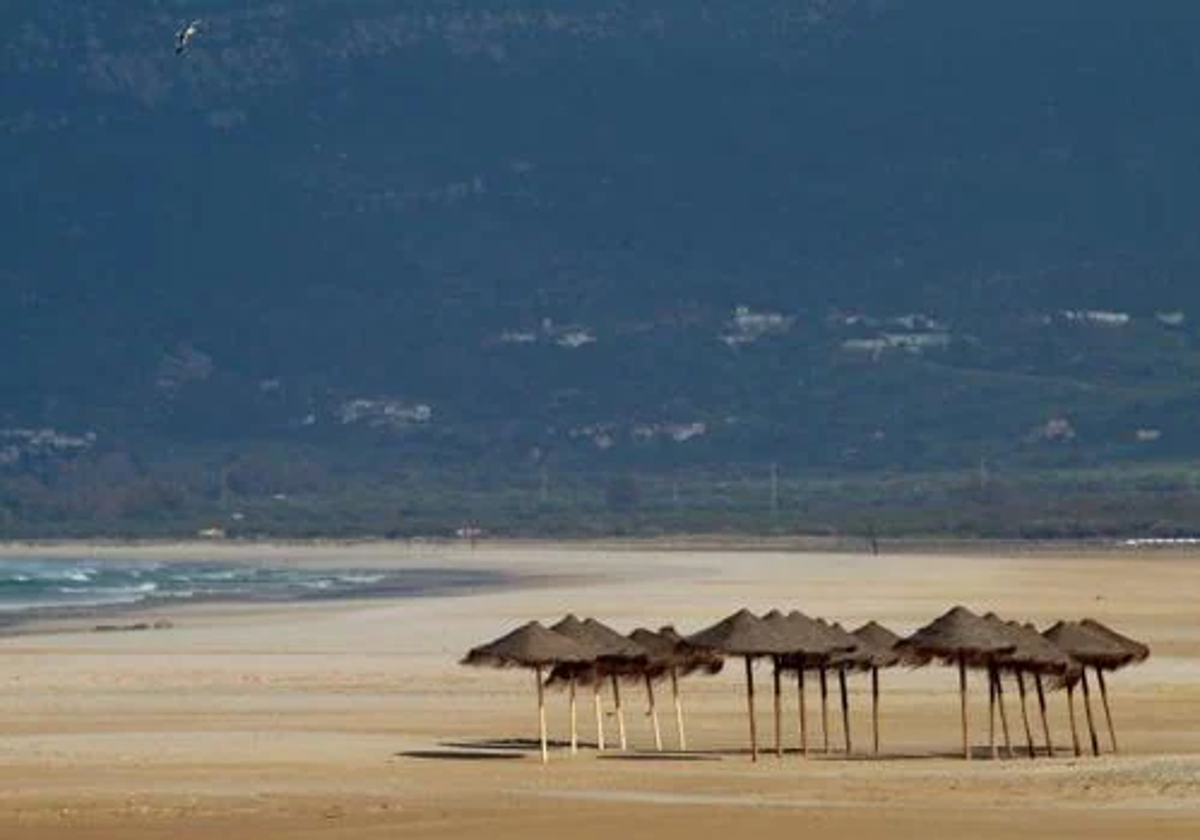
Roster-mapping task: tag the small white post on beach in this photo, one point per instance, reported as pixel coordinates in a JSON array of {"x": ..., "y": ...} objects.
[
  {"x": 541, "y": 692},
  {"x": 574, "y": 719},
  {"x": 678, "y": 709},
  {"x": 616, "y": 687},
  {"x": 599, "y": 704},
  {"x": 658, "y": 745}
]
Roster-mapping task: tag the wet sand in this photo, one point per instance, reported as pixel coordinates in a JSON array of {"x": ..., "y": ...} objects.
[{"x": 354, "y": 720}]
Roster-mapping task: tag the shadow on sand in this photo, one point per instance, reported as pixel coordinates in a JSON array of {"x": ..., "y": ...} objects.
[
  {"x": 459, "y": 755},
  {"x": 515, "y": 748}
]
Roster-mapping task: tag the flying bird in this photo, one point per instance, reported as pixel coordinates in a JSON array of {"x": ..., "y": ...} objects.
[{"x": 185, "y": 35}]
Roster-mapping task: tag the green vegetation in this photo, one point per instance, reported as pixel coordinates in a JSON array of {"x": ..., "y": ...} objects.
[{"x": 290, "y": 498}]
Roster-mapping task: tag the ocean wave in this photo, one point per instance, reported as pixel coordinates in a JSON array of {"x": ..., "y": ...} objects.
[{"x": 29, "y": 583}]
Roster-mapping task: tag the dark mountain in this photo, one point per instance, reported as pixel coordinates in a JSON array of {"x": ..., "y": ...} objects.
[{"x": 846, "y": 234}]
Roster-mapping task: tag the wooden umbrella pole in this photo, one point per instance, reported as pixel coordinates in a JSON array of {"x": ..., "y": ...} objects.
[
  {"x": 616, "y": 687},
  {"x": 875, "y": 707},
  {"x": 1112, "y": 733},
  {"x": 653, "y": 714},
  {"x": 678, "y": 709},
  {"x": 845, "y": 707},
  {"x": 962, "y": 692},
  {"x": 599, "y": 702},
  {"x": 1041, "y": 695},
  {"x": 541, "y": 694},
  {"x": 1087, "y": 711},
  {"x": 992, "y": 713},
  {"x": 1071, "y": 714},
  {"x": 824, "y": 711},
  {"x": 1008, "y": 750},
  {"x": 1025, "y": 713},
  {"x": 803, "y": 710},
  {"x": 574, "y": 720},
  {"x": 750, "y": 709},
  {"x": 778, "y": 708}
]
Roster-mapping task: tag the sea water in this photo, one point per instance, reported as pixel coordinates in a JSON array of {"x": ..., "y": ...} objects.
[{"x": 40, "y": 584}]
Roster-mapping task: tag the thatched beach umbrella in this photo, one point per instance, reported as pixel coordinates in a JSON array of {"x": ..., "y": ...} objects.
[
  {"x": 960, "y": 637},
  {"x": 1036, "y": 655},
  {"x": 696, "y": 660},
  {"x": 808, "y": 642},
  {"x": 876, "y": 650},
  {"x": 742, "y": 634},
  {"x": 1137, "y": 653},
  {"x": 667, "y": 654},
  {"x": 838, "y": 635},
  {"x": 1097, "y": 649},
  {"x": 996, "y": 687},
  {"x": 614, "y": 656},
  {"x": 530, "y": 646}
]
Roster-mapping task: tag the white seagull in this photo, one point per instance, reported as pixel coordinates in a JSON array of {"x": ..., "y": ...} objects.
[{"x": 184, "y": 36}]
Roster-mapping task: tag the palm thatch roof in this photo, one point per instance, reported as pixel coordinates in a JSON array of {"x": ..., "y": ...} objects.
[
  {"x": 740, "y": 634},
  {"x": 807, "y": 638},
  {"x": 846, "y": 645},
  {"x": 1090, "y": 647},
  {"x": 667, "y": 650},
  {"x": 1138, "y": 651},
  {"x": 1033, "y": 651},
  {"x": 957, "y": 635},
  {"x": 611, "y": 653},
  {"x": 876, "y": 647},
  {"x": 814, "y": 642},
  {"x": 529, "y": 646}
]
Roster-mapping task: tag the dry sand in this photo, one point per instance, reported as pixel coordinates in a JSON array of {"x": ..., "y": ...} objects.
[{"x": 353, "y": 720}]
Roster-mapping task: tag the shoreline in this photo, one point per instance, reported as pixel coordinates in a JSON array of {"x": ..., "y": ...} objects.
[
  {"x": 252, "y": 548},
  {"x": 399, "y": 583}
]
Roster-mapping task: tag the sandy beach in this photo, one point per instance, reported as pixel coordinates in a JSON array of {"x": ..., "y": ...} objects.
[{"x": 353, "y": 719}]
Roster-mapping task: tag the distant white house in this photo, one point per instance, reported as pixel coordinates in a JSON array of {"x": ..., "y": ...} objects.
[
  {"x": 602, "y": 435},
  {"x": 384, "y": 412},
  {"x": 1097, "y": 317},
  {"x": 917, "y": 342},
  {"x": 919, "y": 321},
  {"x": 570, "y": 336},
  {"x": 1056, "y": 429},
  {"x": 16, "y": 443},
  {"x": 747, "y": 326},
  {"x": 574, "y": 338},
  {"x": 677, "y": 432}
]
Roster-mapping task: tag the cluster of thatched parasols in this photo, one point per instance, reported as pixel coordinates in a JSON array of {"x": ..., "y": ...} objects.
[{"x": 576, "y": 653}]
